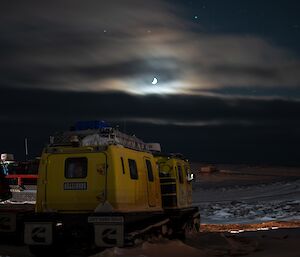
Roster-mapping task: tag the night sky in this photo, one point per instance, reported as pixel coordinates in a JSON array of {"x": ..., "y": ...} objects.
[{"x": 228, "y": 74}]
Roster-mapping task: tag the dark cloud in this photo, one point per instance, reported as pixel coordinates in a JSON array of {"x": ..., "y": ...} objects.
[
  {"x": 262, "y": 72},
  {"x": 41, "y": 104},
  {"x": 204, "y": 128}
]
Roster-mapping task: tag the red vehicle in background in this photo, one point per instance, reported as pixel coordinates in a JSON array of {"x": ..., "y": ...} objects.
[
  {"x": 17, "y": 175},
  {"x": 23, "y": 173}
]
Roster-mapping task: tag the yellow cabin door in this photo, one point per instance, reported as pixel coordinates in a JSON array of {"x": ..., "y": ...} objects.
[
  {"x": 182, "y": 193},
  {"x": 75, "y": 182},
  {"x": 151, "y": 186}
]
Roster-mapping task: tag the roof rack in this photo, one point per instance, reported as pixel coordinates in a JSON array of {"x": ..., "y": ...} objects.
[{"x": 101, "y": 136}]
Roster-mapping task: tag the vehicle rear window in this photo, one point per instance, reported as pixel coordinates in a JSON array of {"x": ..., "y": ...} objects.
[
  {"x": 149, "y": 169},
  {"x": 133, "y": 169},
  {"x": 123, "y": 168},
  {"x": 180, "y": 174},
  {"x": 76, "y": 167}
]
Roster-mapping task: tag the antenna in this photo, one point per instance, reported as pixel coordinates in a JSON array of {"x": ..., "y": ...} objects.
[{"x": 26, "y": 148}]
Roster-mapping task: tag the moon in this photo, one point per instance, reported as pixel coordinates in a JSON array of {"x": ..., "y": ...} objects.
[{"x": 154, "y": 82}]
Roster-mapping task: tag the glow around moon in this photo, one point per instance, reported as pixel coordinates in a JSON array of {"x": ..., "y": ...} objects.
[{"x": 155, "y": 81}]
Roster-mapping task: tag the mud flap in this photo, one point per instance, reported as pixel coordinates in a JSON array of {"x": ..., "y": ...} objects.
[
  {"x": 109, "y": 231},
  {"x": 38, "y": 233},
  {"x": 194, "y": 225},
  {"x": 8, "y": 222}
]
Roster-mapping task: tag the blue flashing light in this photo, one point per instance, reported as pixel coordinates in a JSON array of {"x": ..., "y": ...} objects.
[{"x": 94, "y": 124}]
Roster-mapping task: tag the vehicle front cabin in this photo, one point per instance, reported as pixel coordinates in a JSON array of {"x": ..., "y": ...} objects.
[{"x": 175, "y": 178}]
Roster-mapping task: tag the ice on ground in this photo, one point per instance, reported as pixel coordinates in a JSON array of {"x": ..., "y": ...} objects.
[
  {"x": 17, "y": 202},
  {"x": 251, "y": 212},
  {"x": 249, "y": 204}
]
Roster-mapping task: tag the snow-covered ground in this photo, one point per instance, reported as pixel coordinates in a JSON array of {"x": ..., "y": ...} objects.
[{"x": 253, "y": 203}]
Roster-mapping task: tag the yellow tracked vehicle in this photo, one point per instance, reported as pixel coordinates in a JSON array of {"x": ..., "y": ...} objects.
[{"x": 99, "y": 187}]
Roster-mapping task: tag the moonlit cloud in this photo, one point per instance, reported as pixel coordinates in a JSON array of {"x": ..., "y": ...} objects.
[
  {"x": 186, "y": 123},
  {"x": 120, "y": 45}
]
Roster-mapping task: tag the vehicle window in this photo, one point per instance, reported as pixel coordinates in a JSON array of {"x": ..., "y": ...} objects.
[
  {"x": 76, "y": 167},
  {"x": 149, "y": 169},
  {"x": 122, "y": 162},
  {"x": 133, "y": 169},
  {"x": 164, "y": 170},
  {"x": 180, "y": 176}
]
